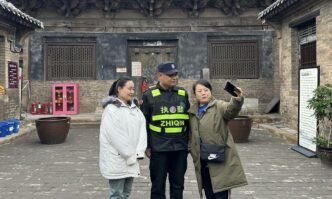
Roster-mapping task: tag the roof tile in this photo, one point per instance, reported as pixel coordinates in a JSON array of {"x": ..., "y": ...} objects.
[{"x": 10, "y": 8}]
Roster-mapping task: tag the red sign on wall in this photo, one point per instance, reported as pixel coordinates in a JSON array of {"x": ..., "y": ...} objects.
[{"x": 12, "y": 75}]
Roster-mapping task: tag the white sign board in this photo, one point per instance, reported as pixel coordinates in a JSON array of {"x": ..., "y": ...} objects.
[
  {"x": 121, "y": 70},
  {"x": 136, "y": 69},
  {"x": 307, "y": 121}
]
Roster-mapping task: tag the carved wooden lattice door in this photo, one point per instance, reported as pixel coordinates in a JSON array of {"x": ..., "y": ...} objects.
[{"x": 150, "y": 57}]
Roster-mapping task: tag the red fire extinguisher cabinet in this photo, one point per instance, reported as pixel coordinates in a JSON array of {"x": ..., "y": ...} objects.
[{"x": 65, "y": 99}]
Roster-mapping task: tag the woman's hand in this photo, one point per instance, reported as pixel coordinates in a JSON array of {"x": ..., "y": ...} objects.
[{"x": 239, "y": 93}]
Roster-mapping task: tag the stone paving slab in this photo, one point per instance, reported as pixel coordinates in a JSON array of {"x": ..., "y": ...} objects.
[{"x": 31, "y": 170}]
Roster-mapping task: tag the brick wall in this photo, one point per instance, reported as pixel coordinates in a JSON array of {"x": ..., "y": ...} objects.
[
  {"x": 91, "y": 93},
  {"x": 2, "y": 75},
  {"x": 25, "y": 73},
  {"x": 324, "y": 42},
  {"x": 2, "y": 60},
  {"x": 288, "y": 57},
  {"x": 9, "y": 103},
  {"x": 191, "y": 33}
]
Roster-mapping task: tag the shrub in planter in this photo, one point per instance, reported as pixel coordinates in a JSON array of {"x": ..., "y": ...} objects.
[{"x": 321, "y": 103}]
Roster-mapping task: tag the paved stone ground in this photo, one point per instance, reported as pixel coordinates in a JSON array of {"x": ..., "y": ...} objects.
[{"x": 30, "y": 170}]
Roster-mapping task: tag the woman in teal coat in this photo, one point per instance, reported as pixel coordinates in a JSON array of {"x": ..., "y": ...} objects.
[{"x": 208, "y": 123}]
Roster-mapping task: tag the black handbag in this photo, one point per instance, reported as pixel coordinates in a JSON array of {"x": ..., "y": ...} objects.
[{"x": 213, "y": 152}]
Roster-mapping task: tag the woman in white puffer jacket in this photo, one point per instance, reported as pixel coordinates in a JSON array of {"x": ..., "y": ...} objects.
[{"x": 123, "y": 138}]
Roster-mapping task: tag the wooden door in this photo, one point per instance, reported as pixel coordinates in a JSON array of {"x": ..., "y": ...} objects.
[{"x": 150, "y": 57}]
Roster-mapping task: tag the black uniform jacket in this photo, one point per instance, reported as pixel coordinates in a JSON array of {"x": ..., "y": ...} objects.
[{"x": 171, "y": 104}]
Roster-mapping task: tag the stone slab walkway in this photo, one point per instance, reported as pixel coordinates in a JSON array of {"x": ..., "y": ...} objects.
[{"x": 31, "y": 170}]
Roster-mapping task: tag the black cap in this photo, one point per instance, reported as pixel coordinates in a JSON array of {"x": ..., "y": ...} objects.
[{"x": 168, "y": 68}]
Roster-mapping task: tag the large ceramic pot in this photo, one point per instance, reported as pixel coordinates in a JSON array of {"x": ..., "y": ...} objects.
[
  {"x": 53, "y": 130},
  {"x": 325, "y": 155},
  {"x": 240, "y": 128}
]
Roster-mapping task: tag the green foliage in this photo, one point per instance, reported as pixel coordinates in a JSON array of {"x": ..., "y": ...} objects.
[
  {"x": 321, "y": 103},
  {"x": 321, "y": 141}
]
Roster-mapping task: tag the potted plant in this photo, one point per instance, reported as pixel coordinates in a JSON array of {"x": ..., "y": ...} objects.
[{"x": 321, "y": 103}]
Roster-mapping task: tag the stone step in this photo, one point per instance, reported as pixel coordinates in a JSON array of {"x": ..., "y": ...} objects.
[
  {"x": 280, "y": 131},
  {"x": 266, "y": 118}
]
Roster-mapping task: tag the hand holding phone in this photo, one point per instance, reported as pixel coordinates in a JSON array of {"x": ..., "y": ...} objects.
[{"x": 230, "y": 88}]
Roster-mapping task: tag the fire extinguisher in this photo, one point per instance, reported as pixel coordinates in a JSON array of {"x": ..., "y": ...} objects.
[
  {"x": 144, "y": 84},
  {"x": 45, "y": 108},
  {"x": 50, "y": 108},
  {"x": 33, "y": 108},
  {"x": 39, "y": 108}
]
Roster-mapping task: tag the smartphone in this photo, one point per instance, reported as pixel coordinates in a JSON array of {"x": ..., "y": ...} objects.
[{"x": 230, "y": 88}]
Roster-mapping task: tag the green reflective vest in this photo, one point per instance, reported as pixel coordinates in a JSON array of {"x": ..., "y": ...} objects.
[{"x": 169, "y": 116}]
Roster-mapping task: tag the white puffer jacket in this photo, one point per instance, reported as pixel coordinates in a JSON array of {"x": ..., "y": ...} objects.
[{"x": 123, "y": 139}]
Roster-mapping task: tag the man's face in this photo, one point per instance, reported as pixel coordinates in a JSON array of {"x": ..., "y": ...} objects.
[{"x": 168, "y": 81}]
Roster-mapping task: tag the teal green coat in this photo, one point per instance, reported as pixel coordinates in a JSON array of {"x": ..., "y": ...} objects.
[{"x": 212, "y": 128}]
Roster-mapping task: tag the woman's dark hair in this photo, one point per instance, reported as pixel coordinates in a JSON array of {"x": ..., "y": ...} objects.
[
  {"x": 118, "y": 84},
  {"x": 202, "y": 82}
]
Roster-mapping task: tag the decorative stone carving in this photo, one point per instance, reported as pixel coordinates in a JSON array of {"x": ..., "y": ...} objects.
[
  {"x": 229, "y": 7},
  {"x": 152, "y": 8},
  {"x": 193, "y": 7},
  {"x": 236, "y": 7},
  {"x": 70, "y": 8},
  {"x": 14, "y": 47},
  {"x": 109, "y": 7}
]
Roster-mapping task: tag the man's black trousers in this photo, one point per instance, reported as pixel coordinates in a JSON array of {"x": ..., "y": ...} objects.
[{"x": 173, "y": 163}]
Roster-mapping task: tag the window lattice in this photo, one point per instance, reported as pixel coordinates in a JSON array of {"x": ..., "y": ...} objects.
[
  {"x": 308, "y": 54},
  {"x": 233, "y": 59},
  {"x": 307, "y": 41},
  {"x": 307, "y": 34},
  {"x": 70, "y": 61}
]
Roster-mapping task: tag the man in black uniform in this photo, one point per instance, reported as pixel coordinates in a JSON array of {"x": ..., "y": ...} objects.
[{"x": 165, "y": 107}]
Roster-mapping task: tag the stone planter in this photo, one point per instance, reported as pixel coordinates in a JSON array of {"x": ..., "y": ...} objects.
[
  {"x": 240, "y": 128},
  {"x": 325, "y": 155},
  {"x": 53, "y": 130}
]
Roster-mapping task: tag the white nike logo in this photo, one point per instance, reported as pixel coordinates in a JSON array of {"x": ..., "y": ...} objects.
[{"x": 212, "y": 156}]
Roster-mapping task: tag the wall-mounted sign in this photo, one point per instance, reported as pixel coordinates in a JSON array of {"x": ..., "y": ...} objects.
[
  {"x": 121, "y": 70},
  {"x": 136, "y": 69},
  {"x": 12, "y": 75}
]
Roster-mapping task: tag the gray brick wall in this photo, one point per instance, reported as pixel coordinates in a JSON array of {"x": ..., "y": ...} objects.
[
  {"x": 191, "y": 34},
  {"x": 2, "y": 60},
  {"x": 91, "y": 93},
  {"x": 9, "y": 103},
  {"x": 288, "y": 65}
]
